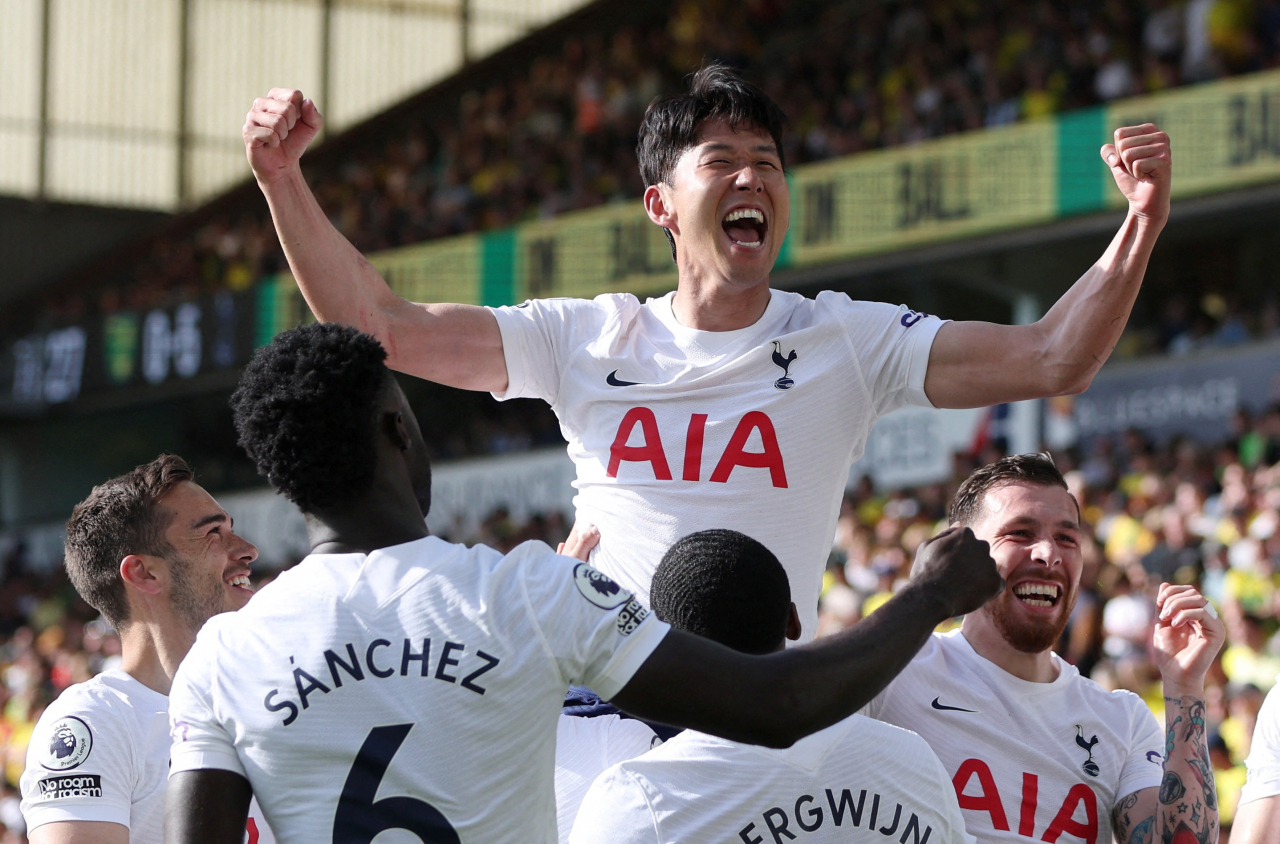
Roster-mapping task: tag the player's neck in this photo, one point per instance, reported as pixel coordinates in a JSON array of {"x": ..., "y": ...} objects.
[
  {"x": 383, "y": 517},
  {"x": 705, "y": 301},
  {"x": 152, "y": 650},
  {"x": 986, "y": 640}
]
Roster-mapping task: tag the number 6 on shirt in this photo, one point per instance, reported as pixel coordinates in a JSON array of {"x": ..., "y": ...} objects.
[{"x": 360, "y": 817}]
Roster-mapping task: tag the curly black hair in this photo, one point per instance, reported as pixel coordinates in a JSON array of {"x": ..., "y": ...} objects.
[
  {"x": 724, "y": 586},
  {"x": 306, "y": 413}
]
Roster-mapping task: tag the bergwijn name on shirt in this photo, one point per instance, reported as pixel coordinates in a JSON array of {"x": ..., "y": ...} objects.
[
  {"x": 453, "y": 662},
  {"x": 808, "y": 816}
]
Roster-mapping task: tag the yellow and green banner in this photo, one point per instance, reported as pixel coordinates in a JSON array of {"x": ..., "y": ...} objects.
[{"x": 1225, "y": 135}]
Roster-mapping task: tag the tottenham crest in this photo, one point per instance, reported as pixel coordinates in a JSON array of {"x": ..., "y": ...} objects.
[
  {"x": 69, "y": 744},
  {"x": 786, "y": 382},
  {"x": 1090, "y": 767},
  {"x": 599, "y": 589}
]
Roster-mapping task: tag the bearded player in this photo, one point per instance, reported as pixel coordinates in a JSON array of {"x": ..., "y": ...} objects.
[
  {"x": 1034, "y": 749},
  {"x": 156, "y": 555},
  {"x": 724, "y": 404}
]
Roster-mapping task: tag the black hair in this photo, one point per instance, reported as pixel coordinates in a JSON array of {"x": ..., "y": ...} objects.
[
  {"x": 306, "y": 413},
  {"x": 1035, "y": 469},
  {"x": 724, "y": 586},
  {"x": 671, "y": 124},
  {"x": 119, "y": 518}
]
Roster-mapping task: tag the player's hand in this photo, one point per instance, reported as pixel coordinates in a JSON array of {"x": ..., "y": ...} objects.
[
  {"x": 956, "y": 568},
  {"x": 1188, "y": 635},
  {"x": 1141, "y": 164},
  {"x": 582, "y": 539},
  {"x": 277, "y": 130}
]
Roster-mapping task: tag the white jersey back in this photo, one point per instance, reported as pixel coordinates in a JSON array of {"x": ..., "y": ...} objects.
[
  {"x": 674, "y": 431},
  {"x": 416, "y": 688},
  {"x": 1041, "y": 760},
  {"x": 1263, "y": 764},
  {"x": 584, "y": 748},
  {"x": 856, "y": 781},
  {"x": 100, "y": 752}
]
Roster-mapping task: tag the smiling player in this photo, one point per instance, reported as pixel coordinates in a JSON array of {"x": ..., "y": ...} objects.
[
  {"x": 1034, "y": 749},
  {"x": 724, "y": 404},
  {"x": 157, "y": 556}
]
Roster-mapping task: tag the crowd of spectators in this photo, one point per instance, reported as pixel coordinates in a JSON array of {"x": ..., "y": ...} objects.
[
  {"x": 559, "y": 133},
  {"x": 1179, "y": 512}
]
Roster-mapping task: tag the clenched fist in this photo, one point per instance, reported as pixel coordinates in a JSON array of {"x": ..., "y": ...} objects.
[
  {"x": 1141, "y": 164},
  {"x": 956, "y": 568},
  {"x": 277, "y": 130}
]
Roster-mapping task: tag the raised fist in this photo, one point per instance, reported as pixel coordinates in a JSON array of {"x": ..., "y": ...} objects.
[
  {"x": 277, "y": 131},
  {"x": 1141, "y": 164},
  {"x": 955, "y": 568}
]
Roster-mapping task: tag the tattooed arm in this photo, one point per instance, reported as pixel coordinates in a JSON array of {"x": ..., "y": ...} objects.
[{"x": 1184, "y": 810}]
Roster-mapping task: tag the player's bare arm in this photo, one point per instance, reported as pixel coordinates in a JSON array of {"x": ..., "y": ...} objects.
[
  {"x": 1257, "y": 822},
  {"x": 969, "y": 365},
  {"x": 1188, "y": 636},
  {"x": 777, "y": 699},
  {"x": 457, "y": 345},
  {"x": 206, "y": 807},
  {"x": 80, "y": 832}
]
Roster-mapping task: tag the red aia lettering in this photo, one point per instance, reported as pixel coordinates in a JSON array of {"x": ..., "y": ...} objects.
[
  {"x": 649, "y": 452},
  {"x": 989, "y": 800},
  {"x": 251, "y": 830},
  {"x": 1066, "y": 822},
  {"x": 770, "y": 458}
]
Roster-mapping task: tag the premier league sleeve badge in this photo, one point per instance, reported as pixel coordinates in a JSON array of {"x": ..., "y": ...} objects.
[{"x": 69, "y": 742}]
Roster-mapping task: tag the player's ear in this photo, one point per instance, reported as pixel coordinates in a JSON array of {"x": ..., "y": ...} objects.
[
  {"x": 658, "y": 205},
  {"x": 398, "y": 430},
  {"x": 793, "y": 624},
  {"x": 139, "y": 572}
]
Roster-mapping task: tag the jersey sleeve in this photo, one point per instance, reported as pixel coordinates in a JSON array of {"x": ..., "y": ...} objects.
[
  {"x": 82, "y": 765},
  {"x": 891, "y": 345},
  {"x": 536, "y": 338},
  {"x": 1142, "y": 769},
  {"x": 200, "y": 741},
  {"x": 596, "y": 632},
  {"x": 615, "y": 810},
  {"x": 1263, "y": 764}
]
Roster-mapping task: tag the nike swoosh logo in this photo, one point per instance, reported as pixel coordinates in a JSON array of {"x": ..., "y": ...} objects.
[
  {"x": 944, "y": 708},
  {"x": 613, "y": 381}
]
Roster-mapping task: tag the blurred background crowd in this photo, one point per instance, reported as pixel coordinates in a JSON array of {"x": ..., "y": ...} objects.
[
  {"x": 560, "y": 133},
  {"x": 1176, "y": 512}
]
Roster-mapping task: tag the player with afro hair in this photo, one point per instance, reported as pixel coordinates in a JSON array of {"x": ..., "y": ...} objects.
[{"x": 306, "y": 412}]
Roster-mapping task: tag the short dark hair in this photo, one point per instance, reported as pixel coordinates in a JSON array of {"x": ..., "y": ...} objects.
[
  {"x": 306, "y": 412},
  {"x": 119, "y": 518},
  {"x": 724, "y": 586},
  {"x": 671, "y": 124},
  {"x": 1036, "y": 469}
]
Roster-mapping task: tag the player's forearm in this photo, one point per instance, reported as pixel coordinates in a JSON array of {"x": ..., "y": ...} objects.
[
  {"x": 336, "y": 280},
  {"x": 1188, "y": 797},
  {"x": 206, "y": 807},
  {"x": 1083, "y": 326}
]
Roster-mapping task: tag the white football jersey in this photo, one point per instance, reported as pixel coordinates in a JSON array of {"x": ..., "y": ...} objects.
[
  {"x": 858, "y": 780},
  {"x": 100, "y": 752},
  {"x": 584, "y": 748},
  {"x": 1263, "y": 764},
  {"x": 674, "y": 430},
  {"x": 1047, "y": 761},
  {"x": 416, "y": 688}
]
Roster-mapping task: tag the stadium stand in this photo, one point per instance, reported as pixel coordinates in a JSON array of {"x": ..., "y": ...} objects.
[{"x": 556, "y": 131}]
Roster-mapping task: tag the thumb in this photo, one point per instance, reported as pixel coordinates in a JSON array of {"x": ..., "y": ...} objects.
[
  {"x": 1111, "y": 155},
  {"x": 311, "y": 115}
]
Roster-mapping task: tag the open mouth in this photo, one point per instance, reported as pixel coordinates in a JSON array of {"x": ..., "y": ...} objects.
[
  {"x": 241, "y": 581},
  {"x": 1042, "y": 595},
  {"x": 746, "y": 227}
]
